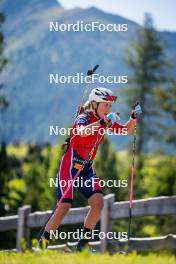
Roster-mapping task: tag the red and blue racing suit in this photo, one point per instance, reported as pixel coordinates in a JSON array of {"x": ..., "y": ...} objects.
[{"x": 79, "y": 149}]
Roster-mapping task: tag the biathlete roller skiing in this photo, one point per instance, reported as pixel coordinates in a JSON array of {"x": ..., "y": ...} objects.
[{"x": 76, "y": 163}]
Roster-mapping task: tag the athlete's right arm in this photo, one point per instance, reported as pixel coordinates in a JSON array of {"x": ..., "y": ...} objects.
[
  {"x": 88, "y": 130},
  {"x": 84, "y": 129}
]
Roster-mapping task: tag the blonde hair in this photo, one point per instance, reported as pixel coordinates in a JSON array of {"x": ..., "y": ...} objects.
[{"x": 86, "y": 107}]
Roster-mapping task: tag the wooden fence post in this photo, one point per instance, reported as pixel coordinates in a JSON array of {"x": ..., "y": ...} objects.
[
  {"x": 105, "y": 223},
  {"x": 23, "y": 231}
]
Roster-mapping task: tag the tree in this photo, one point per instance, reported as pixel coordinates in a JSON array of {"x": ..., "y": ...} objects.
[
  {"x": 148, "y": 65},
  {"x": 4, "y": 164},
  {"x": 3, "y": 61},
  {"x": 166, "y": 98}
]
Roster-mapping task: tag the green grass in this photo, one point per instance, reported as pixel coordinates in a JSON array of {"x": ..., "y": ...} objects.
[{"x": 83, "y": 258}]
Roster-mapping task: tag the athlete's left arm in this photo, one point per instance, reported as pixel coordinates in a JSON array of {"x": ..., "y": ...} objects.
[
  {"x": 128, "y": 128},
  {"x": 130, "y": 125}
]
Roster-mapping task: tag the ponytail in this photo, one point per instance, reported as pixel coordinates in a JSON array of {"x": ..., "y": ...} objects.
[{"x": 82, "y": 109}]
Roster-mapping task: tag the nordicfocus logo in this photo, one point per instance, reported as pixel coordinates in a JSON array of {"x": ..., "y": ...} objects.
[
  {"x": 81, "y": 26},
  {"x": 95, "y": 234},
  {"x": 81, "y": 78},
  {"x": 56, "y": 131},
  {"x": 80, "y": 182}
]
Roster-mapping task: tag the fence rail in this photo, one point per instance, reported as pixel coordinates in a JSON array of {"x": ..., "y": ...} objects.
[{"x": 25, "y": 220}]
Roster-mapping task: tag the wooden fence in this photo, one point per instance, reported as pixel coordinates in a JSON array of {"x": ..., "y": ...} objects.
[{"x": 25, "y": 220}]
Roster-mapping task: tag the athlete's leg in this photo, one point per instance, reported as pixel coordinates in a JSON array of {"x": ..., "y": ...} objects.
[
  {"x": 57, "y": 217},
  {"x": 63, "y": 177},
  {"x": 95, "y": 199},
  {"x": 94, "y": 195},
  {"x": 93, "y": 216},
  {"x": 96, "y": 203}
]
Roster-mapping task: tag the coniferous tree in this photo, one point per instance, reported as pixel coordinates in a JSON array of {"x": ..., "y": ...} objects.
[
  {"x": 166, "y": 98},
  {"x": 147, "y": 62},
  {"x": 4, "y": 164},
  {"x": 149, "y": 74},
  {"x": 3, "y": 61}
]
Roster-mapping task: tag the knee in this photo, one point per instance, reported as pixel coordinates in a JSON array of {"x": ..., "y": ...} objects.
[
  {"x": 97, "y": 204},
  {"x": 63, "y": 208}
]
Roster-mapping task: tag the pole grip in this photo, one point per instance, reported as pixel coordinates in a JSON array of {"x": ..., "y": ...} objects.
[{"x": 90, "y": 72}]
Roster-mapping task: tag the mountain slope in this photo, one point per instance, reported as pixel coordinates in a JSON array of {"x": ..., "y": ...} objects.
[
  {"x": 35, "y": 52},
  {"x": 14, "y": 8}
]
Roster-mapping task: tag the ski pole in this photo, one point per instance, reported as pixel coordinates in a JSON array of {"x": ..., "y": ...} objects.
[
  {"x": 131, "y": 186},
  {"x": 89, "y": 75}
]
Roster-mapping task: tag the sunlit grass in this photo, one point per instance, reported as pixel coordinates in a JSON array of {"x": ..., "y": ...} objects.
[{"x": 83, "y": 258}]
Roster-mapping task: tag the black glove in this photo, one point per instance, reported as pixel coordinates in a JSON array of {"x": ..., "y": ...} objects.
[{"x": 136, "y": 110}]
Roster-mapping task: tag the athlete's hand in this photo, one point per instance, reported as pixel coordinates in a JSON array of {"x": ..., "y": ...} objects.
[
  {"x": 136, "y": 111},
  {"x": 113, "y": 117}
]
